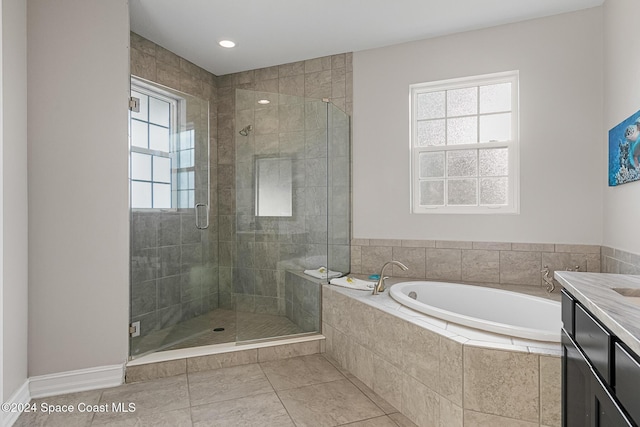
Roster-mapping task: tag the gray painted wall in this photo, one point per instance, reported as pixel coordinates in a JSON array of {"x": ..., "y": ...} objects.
[
  {"x": 78, "y": 79},
  {"x": 621, "y": 99},
  {"x": 13, "y": 196},
  {"x": 561, "y": 151}
]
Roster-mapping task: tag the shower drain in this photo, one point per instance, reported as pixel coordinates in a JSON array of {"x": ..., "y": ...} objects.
[{"x": 218, "y": 329}]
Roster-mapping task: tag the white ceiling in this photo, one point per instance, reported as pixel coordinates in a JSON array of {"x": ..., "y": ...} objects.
[{"x": 273, "y": 32}]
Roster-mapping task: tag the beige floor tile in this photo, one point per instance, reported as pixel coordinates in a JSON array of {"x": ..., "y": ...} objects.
[
  {"x": 383, "y": 421},
  {"x": 300, "y": 371},
  {"x": 328, "y": 404},
  {"x": 401, "y": 420},
  {"x": 227, "y": 383},
  {"x": 151, "y": 397},
  {"x": 264, "y": 410},
  {"x": 478, "y": 419},
  {"x": 177, "y": 418},
  {"x": 75, "y": 419}
]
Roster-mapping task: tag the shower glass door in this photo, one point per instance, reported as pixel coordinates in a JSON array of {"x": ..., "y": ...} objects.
[
  {"x": 173, "y": 277},
  {"x": 291, "y": 164}
]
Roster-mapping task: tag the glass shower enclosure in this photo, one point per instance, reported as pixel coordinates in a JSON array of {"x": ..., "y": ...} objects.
[
  {"x": 281, "y": 204},
  {"x": 173, "y": 274},
  {"x": 292, "y": 211}
]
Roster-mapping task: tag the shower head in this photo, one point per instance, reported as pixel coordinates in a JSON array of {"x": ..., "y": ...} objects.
[{"x": 245, "y": 130}]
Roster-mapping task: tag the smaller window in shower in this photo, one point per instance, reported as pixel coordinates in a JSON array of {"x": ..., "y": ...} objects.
[{"x": 162, "y": 159}]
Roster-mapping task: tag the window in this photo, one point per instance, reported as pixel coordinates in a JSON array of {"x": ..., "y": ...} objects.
[
  {"x": 162, "y": 158},
  {"x": 464, "y": 145}
]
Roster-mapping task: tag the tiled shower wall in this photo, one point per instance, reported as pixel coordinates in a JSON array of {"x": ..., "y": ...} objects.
[
  {"x": 252, "y": 265},
  {"x": 477, "y": 262},
  {"x": 174, "y": 265}
]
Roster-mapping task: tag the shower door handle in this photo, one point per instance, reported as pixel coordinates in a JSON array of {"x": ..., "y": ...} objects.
[{"x": 198, "y": 226}]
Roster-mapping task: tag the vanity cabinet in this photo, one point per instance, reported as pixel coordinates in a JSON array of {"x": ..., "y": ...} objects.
[{"x": 600, "y": 376}]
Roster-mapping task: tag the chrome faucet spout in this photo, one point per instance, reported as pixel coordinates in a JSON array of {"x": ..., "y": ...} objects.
[{"x": 380, "y": 286}]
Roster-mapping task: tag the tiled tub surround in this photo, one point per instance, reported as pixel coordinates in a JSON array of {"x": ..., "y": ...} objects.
[
  {"x": 477, "y": 262},
  {"x": 437, "y": 373},
  {"x": 619, "y": 261}
]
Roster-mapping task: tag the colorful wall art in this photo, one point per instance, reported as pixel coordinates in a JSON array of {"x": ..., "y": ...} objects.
[{"x": 624, "y": 151}]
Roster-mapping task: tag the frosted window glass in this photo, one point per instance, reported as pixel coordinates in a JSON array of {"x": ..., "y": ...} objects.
[
  {"x": 432, "y": 193},
  {"x": 140, "y": 194},
  {"x": 462, "y": 163},
  {"x": 495, "y": 98},
  {"x": 496, "y": 127},
  {"x": 191, "y": 176},
  {"x": 161, "y": 169},
  {"x": 462, "y": 192},
  {"x": 161, "y": 196},
  {"x": 432, "y": 165},
  {"x": 144, "y": 106},
  {"x": 461, "y": 102},
  {"x": 141, "y": 166},
  {"x": 159, "y": 112},
  {"x": 430, "y": 105},
  {"x": 494, "y": 162},
  {"x": 493, "y": 191},
  {"x": 139, "y": 134},
  {"x": 431, "y": 133},
  {"x": 463, "y": 130},
  {"x": 158, "y": 138}
]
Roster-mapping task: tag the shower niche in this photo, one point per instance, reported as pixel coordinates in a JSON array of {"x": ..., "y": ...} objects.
[{"x": 292, "y": 209}]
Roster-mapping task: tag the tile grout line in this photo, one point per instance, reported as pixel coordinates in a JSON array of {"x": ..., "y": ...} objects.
[
  {"x": 93, "y": 415},
  {"x": 276, "y": 393},
  {"x": 186, "y": 372},
  {"x": 539, "y": 389},
  {"x": 359, "y": 389},
  {"x": 462, "y": 375}
]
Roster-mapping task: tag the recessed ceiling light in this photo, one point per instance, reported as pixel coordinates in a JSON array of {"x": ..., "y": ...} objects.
[
  {"x": 226, "y": 43},
  {"x": 264, "y": 101}
]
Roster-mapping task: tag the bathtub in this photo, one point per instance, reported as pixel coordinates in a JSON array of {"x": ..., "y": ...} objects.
[{"x": 493, "y": 310}]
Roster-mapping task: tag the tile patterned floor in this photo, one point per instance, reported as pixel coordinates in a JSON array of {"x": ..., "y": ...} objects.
[{"x": 301, "y": 391}]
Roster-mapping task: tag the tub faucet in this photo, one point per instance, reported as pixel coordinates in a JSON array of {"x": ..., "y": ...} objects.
[{"x": 380, "y": 285}]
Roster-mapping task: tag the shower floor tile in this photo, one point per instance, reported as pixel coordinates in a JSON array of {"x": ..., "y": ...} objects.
[
  {"x": 237, "y": 396},
  {"x": 240, "y": 326}
]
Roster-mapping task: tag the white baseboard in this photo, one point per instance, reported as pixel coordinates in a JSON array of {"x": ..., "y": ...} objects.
[
  {"x": 74, "y": 381},
  {"x": 19, "y": 398}
]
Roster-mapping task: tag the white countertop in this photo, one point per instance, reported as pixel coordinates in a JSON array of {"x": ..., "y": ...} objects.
[{"x": 596, "y": 292}]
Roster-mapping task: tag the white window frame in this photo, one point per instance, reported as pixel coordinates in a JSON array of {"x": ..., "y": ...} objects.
[
  {"x": 513, "y": 195},
  {"x": 141, "y": 86}
]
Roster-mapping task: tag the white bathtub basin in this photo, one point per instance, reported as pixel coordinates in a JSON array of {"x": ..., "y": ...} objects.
[{"x": 493, "y": 310}]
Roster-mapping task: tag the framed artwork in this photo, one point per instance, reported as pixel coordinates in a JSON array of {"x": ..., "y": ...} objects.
[{"x": 624, "y": 151}]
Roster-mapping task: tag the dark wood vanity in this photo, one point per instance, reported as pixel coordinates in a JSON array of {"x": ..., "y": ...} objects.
[{"x": 600, "y": 371}]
